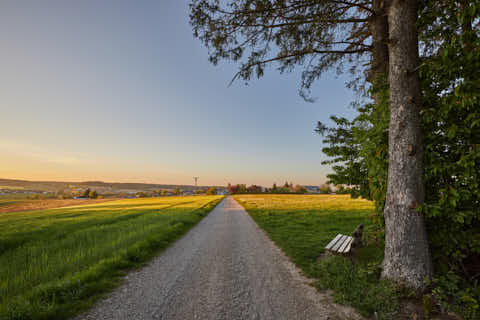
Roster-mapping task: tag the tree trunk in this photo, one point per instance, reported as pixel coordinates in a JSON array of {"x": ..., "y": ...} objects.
[
  {"x": 379, "y": 65},
  {"x": 379, "y": 30},
  {"x": 467, "y": 22},
  {"x": 407, "y": 256},
  {"x": 467, "y": 32}
]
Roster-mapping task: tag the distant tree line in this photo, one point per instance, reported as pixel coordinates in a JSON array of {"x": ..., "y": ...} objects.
[
  {"x": 286, "y": 188},
  {"x": 85, "y": 194},
  {"x": 92, "y": 194}
]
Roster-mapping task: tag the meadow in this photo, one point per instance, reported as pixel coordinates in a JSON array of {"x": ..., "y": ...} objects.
[
  {"x": 8, "y": 204},
  {"x": 57, "y": 262},
  {"x": 302, "y": 225}
]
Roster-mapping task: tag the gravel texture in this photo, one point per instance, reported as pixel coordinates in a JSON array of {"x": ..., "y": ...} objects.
[{"x": 224, "y": 268}]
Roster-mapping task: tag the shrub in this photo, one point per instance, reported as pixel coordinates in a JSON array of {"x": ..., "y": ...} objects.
[{"x": 212, "y": 191}]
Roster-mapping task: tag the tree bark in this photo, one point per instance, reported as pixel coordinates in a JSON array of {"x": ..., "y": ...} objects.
[
  {"x": 467, "y": 29},
  {"x": 379, "y": 30},
  {"x": 407, "y": 255},
  {"x": 467, "y": 22},
  {"x": 378, "y": 26}
]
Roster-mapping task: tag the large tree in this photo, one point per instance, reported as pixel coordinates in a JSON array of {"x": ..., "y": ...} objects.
[
  {"x": 318, "y": 35},
  {"x": 449, "y": 75},
  {"x": 407, "y": 255}
]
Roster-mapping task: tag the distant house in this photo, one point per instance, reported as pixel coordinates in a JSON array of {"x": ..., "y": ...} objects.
[
  {"x": 312, "y": 189},
  {"x": 222, "y": 191}
]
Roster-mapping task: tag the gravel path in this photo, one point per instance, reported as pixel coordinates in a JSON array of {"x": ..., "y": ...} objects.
[{"x": 224, "y": 268}]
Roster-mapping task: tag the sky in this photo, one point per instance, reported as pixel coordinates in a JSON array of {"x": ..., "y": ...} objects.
[{"x": 121, "y": 91}]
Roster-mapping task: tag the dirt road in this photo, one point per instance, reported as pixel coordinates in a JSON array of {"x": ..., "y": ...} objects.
[{"x": 224, "y": 268}]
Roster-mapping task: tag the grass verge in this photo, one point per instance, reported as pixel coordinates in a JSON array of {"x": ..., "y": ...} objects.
[
  {"x": 55, "y": 263},
  {"x": 302, "y": 225}
]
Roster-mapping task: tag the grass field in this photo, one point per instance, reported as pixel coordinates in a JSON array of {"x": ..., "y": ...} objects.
[
  {"x": 302, "y": 225},
  {"x": 15, "y": 205},
  {"x": 11, "y": 188},
  {"x": 56, "y": 262}
]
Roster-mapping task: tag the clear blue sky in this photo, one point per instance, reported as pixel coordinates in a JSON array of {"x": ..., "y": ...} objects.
[{"x": 120, "y": 90}]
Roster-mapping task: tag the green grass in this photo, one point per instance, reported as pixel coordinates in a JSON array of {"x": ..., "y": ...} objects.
[
  {"x": 302, "y": 225},
  {"x": 56, "y": 262}
]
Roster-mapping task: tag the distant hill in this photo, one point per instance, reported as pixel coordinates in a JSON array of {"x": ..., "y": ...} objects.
[{"x": 105, "y": 186}]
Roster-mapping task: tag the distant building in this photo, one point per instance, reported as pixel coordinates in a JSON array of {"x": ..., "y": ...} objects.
[
  {"x": 222, "y": 191},
  {"x": 312, "y": 189}
]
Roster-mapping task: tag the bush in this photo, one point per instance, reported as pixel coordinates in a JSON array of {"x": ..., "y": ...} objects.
[
  {"x": 212, "y": 191},
  {"x": 325, "y": 189},
  {"x": 450, "y": 292},
  {"x": 358, "y": 285}
]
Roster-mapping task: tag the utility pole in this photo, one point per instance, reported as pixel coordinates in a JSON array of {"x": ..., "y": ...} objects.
[{"x": 196, "y": 179}]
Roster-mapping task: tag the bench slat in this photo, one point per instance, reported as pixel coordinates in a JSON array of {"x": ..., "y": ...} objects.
[
  {"x": 333, "y": 242},
  {"x": 346, "y": 244},
  {"x": 339, "y": 243},
  {"x": 349, "y": 246}
]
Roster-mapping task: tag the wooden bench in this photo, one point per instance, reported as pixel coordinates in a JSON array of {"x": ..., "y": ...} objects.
[{"x": 343, "y": 244}]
